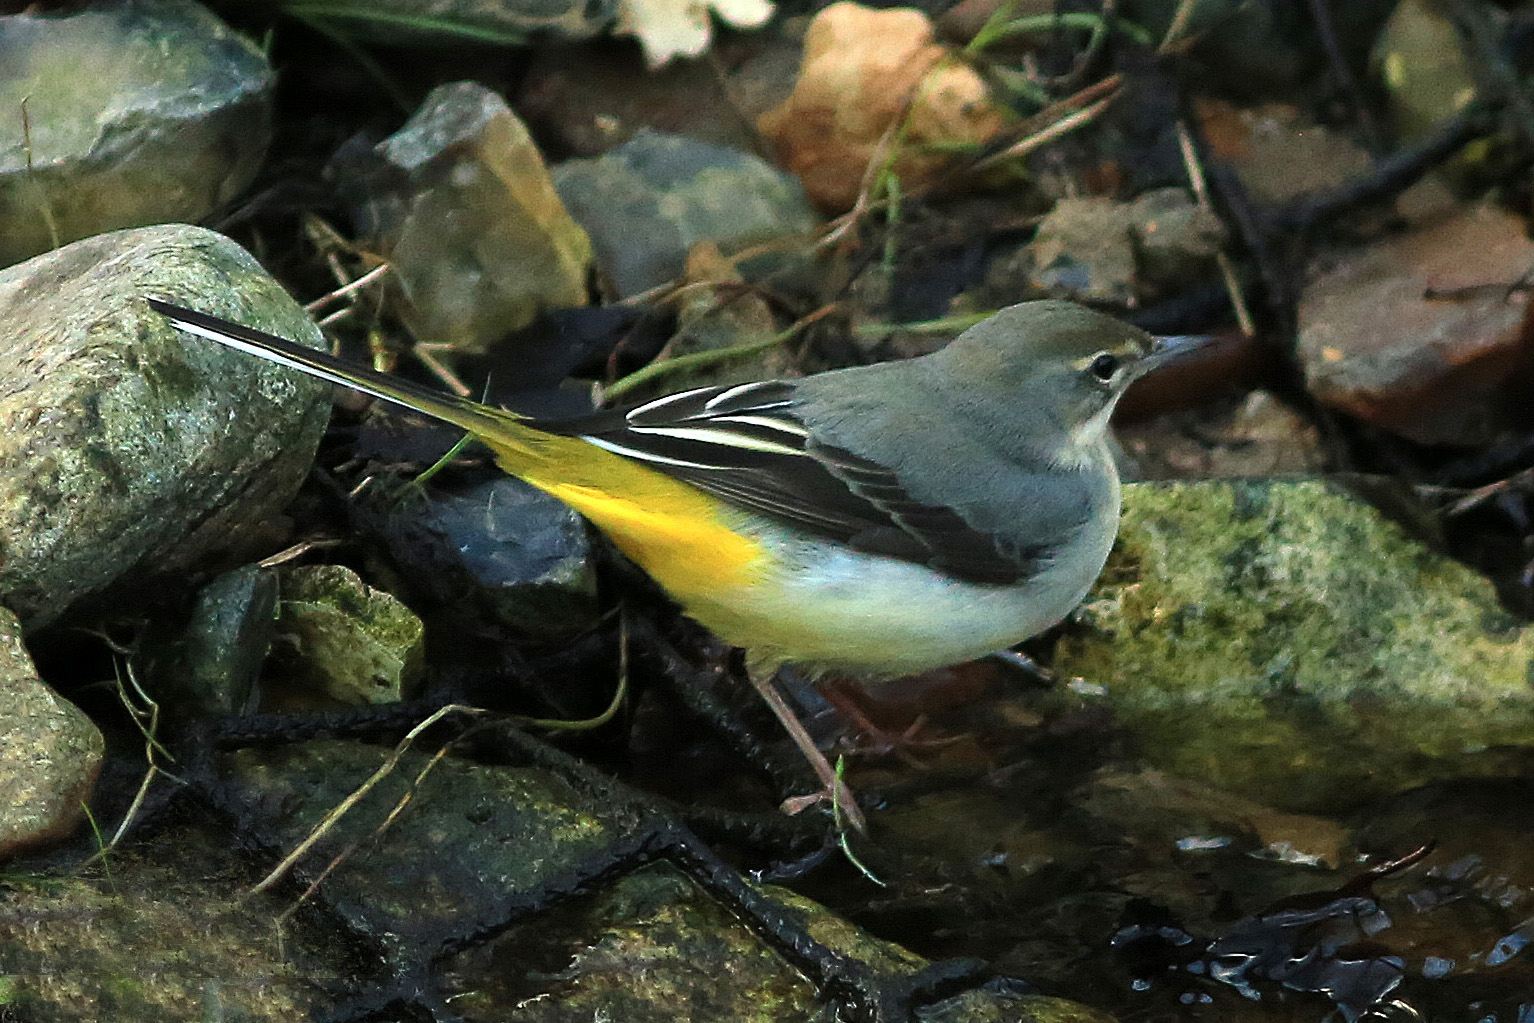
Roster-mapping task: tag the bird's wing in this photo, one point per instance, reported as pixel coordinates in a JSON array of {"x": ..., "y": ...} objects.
[{"x": 746, "y": 445}]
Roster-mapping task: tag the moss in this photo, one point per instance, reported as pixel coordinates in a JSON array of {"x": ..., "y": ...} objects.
[{"x": 1284, "y": 637}]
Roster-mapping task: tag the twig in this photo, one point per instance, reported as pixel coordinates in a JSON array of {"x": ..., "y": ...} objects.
[
  {"x": 1195, "y": 171},
  {"x": 1177, "y": 29},
  {"x": 1392, "y": 174},
  {"x": 1056, "y": 119},
  {"x": 694, "y": 360},
  {"x": 348, "y": 288},
  {"x": 1321, "y": 15},
  {"x": 297, "y": 550},
  {"x": 345, "y": 854},
  {"x": 42, "y": 196}
]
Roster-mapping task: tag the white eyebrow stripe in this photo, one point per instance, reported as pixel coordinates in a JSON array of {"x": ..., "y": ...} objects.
[{"x": 724, "y": 438}]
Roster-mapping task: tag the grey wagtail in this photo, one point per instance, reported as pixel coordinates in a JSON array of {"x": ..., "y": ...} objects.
[{"x": 880, "y": 520}]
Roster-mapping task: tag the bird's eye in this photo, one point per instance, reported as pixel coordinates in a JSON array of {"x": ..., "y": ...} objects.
[{"x": 1104, "y": 366}]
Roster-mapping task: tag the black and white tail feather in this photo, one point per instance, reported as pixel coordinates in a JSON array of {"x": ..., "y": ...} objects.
[{"x": 742, "y": 443}]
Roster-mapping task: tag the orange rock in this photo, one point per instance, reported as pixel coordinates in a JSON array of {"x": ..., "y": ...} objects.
[
  {"x": 861, "y": 70},
  {"x": 1428, "y": 333}
]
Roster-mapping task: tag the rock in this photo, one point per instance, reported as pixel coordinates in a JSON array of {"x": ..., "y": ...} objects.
[
  {"x": 170, "y": 122},
  {"x": 479, "y": 842},
  {"x": 652, "y": 948},
  {"x": 1285, "y": 641},
  {"x": 1084, "y": 250},
  {"x": 500, "y": 549},
  {"x": 130, "y": 452},
  {"x": 452, "y": 23},
  {"x": 1423, "y": 64},
  {"x": 211, "y": 667},
  {"x": 461, "y": 204},
  {"x": 1255, "y": 436},
  {"x": 355, "y": 644},
  {"x": 592, "y": 98},
  {"x": 1376, "y": 343},
  {"x": 648, "y": 202},
  {"x": 1278, "y": 152},
  {"x": 1175, "y": 241},
  {"x": 483, "y": 848},
  {"x": 169, "y": 933},
  {"x": 50, "y": 752},
  {"x": 1100, "y": 250},
  {"x": 861, "y": 69}
]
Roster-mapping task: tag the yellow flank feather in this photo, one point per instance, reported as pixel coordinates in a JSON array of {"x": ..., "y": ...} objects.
[{"x": 680, "y": 536}]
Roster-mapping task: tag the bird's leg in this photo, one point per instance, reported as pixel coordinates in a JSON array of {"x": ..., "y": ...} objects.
[
  {"x": 874, "y": 740},
  {"x": 834, "y": 787}
]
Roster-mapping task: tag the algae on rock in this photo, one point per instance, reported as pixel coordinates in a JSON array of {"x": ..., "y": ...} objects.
[{"x": 1286, "y": 640}]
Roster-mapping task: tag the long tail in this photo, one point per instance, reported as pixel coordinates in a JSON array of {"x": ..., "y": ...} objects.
[{"x": 470, "y": 415}]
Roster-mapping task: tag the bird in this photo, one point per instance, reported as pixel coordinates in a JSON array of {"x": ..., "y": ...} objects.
[{"x": 879, "y": 520}]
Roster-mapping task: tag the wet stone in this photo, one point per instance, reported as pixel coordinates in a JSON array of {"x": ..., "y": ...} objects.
[
  {"x": 170, "y": 123},
  {"x": 354, "y": 643},
  {"x": 164, "y": 935},
  {"x": 130, "y": 453},
  {"x": 50, "y": 752},
  {"x": 652, "y": 948},
  {"x": 478, "y": 845},
  {"x": 211, "y": 668},
  {"x": 502, "y": 547},
  {"x": 534, "y": 894},
  {"x": 1283, "y": 640},
  {"x": 648, "y": 202}
]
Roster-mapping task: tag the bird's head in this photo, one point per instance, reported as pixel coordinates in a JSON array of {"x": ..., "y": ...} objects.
[{"x": 1054, "y": 367}]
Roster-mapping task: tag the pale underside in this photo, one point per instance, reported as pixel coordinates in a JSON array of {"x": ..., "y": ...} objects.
[{"x": 828, "y": 609}]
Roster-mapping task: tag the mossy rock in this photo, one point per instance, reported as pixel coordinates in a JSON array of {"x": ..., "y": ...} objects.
[{"x": 1286, "y": 640}]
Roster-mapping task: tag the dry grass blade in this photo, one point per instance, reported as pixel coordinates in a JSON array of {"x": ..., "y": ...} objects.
[
  {"x": 345, "y": 854},
  {"x": 340, "y": 810},
  {"x": 1056, "y": 120}
]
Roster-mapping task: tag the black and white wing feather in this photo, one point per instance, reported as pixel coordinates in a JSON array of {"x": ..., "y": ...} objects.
[{"x": 746, "y": 445}]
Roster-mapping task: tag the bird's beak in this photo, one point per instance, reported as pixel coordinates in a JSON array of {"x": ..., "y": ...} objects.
[{"x": 1166, "y": 348}]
